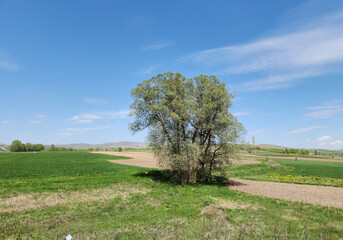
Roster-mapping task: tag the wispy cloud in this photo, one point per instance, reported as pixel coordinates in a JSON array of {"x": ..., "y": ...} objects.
[
  {"x": 6, "y": 64},
  {"x": 158, "y": 45},
  {"x": 86, "y": 118},
  {"x": 36, "y": 122},
  {"x": 5, "y": 122},
  {"x": 337, "y": 144},
  {"x": 38, "y": 115},
  {"x": 302, "y": 130},
  {"x": 95, "y": 100},
  {"x": 241, "y": 113},
  {"x": 91, "y": 117},
  {"x": 115, "y": 115},
  {"x": 148, "y": 70},
  {"x": 323, "y": 111},
  {"x": 324, "y": 138},
  {"x": 305, "y": 52},
  {"x": 73, "y": 131}
]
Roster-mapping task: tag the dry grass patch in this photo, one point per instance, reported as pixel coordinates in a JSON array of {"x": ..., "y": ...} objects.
[
  {"x": 225, "y": 203},
  {"x": 41, "y": 200}
]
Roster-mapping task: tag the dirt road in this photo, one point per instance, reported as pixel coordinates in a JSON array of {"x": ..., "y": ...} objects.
[
  {"x": 144, "y": 159},
  {"x": 320, "y": 195}
]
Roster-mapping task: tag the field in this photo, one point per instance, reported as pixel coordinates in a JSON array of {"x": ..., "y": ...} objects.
[{"x": 49, "y": 194}]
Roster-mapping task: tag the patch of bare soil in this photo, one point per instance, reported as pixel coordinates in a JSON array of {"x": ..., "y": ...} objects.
[
  {"x": 140, "y": 159},
  {"x": 245, "y": 162},
  {"x": 144, "y": 159},
  {"x": 320, "y": 195}
]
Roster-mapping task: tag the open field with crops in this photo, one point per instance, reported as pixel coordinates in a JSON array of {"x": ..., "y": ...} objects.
[{"x": 48, "y": 194}]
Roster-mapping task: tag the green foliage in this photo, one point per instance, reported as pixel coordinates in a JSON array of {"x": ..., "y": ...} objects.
[
  {"x": 120, "y": 149},
  {"x": 52, "y": 148},
  {"x": 97, "y": 149},
  {"x": 90, "y": 149},
  {"x": 190, "y": 126},
  {"x": 288, "y": 151},
  {"x": 18, "y": 146}
]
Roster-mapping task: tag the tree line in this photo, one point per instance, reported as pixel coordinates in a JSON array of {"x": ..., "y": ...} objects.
[{"x": 18, "y": 146}]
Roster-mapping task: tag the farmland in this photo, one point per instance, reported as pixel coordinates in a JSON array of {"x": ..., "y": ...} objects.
[{"x": 48, "y": 194}]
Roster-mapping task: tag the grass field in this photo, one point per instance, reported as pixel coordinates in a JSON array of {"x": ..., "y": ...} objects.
[
  {"x": 49, "y": 194},
  {"x": 290, "y": 155},
  {"x": 291, "y": 171}
]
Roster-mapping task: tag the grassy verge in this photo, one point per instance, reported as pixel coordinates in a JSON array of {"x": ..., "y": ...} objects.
[
  {"x": 112, "y": 201},
  {"x": 290, "y": 171}
]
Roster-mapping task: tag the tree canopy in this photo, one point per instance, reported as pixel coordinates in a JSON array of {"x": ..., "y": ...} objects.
[
  {"x": 190, "y": 126},
  {"x": 18, "y": 146}
]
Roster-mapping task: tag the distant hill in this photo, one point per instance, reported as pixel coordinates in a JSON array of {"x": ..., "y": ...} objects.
[
  {"x": 270, "y": 146},
  {"x": 106, "y": 145}
]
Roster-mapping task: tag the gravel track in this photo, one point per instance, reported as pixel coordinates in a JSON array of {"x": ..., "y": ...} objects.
[{"x": 320, "y": 195}]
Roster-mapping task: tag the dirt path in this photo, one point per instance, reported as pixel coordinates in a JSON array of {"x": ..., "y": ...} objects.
[
  {"x": 321, "y": 195},
  {"x": 299, "y": 158},
  {"x": 144, "y": 159},
  {"x": 140, "y": 159}
]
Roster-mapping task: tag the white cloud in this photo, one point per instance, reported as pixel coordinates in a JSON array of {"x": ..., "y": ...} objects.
[
  {"x": 158, "y": 46},
  {"x": 90, "y": 117},
  {"x": 310, "y": 50},
  {"x": 85, "y": 118},
  {"x": 241, "y": 113},
  {"x": 95, "y": 100},
  {"x": 8, "y": 66},
  {"x": 115, "y": 115},
  {"x": 324, "y": 138},
  {"x": 302, "y": 130},
  {"x": 337, "y": 144},
  {"x": 5, "y": 122},
  {"x": 73, "y": 131},
  {"x": 324, "y": 111}
]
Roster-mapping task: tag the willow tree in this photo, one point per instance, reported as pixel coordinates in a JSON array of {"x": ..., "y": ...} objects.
[{"x": 190, "y": 126}]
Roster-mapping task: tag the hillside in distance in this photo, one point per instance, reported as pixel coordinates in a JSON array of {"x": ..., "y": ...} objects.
[
  {"x": 271, "y": 146},
  {"x": 106, "y": 145}
]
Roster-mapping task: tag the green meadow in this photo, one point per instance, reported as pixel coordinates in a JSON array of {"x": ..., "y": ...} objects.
[
  {"x": 47, "y": 195},
  {"x": 291, "y": 171}
]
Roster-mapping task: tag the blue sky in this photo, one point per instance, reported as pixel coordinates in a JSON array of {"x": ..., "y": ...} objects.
[{"x": 67, "y": 67}]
